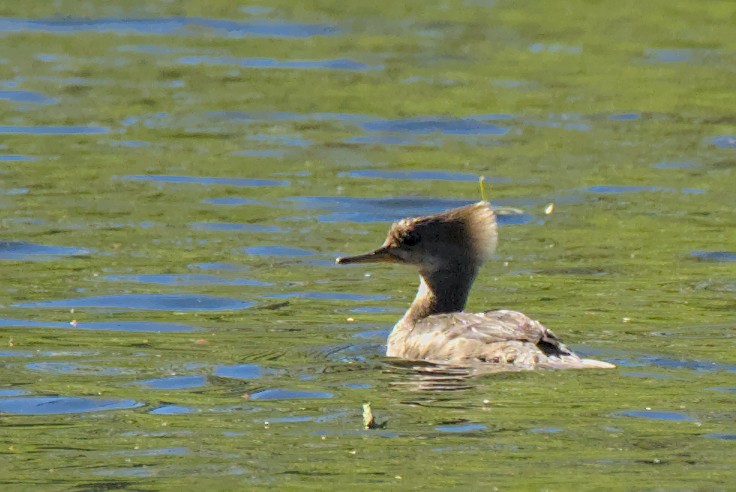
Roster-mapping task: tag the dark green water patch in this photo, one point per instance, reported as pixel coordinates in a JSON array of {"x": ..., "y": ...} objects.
[{"x": 263, "y": 63}]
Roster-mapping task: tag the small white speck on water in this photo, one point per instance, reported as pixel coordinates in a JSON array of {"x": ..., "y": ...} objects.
[
  {"x": 549, "y": 209},
  {"x": 626, "y": 320}
]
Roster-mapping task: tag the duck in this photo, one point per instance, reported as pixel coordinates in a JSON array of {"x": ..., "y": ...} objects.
[{"x": 448, "y": 249}]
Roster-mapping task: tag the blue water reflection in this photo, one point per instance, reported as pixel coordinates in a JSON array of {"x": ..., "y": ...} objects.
[
  {"x": 168, "y": 26},
  {"x": 129, "y": 326},
  {"x": 50, "y": 405},
  {"x": 20, "y": 250},
  {"x": 239, "y": 182},
  {"x": 162, "y": 302}
]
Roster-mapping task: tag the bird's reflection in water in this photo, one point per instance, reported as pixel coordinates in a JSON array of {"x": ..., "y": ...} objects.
[{"x": 426, "y": 376}]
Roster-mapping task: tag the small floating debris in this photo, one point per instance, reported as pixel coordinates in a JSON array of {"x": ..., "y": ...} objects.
[
  {"x": 549, "y": 209},
  {"x": 369, "y": 421}
]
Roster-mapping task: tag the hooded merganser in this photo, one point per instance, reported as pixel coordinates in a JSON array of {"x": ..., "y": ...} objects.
[{"x": 448, "y": 249}]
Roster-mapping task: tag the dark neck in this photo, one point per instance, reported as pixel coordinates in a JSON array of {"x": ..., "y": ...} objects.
[{"x": 441, "y": 291}]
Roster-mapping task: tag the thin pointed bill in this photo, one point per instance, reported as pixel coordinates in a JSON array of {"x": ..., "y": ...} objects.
[{"x": 381, "y": 255}]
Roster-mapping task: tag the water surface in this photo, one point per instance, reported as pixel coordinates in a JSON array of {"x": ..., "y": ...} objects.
[{"x": 177, "y": 178}]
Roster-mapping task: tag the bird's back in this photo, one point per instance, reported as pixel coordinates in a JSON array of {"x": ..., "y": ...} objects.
[{"x": 503, "y": 337}]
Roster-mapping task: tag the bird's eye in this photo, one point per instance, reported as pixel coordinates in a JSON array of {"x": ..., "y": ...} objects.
[{"x": 411, "y": 239}]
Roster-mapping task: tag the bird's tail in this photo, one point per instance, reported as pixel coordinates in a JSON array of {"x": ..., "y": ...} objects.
[{"x": 574, "y": 362}]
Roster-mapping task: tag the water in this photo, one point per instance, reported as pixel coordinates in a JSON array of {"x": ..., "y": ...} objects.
[
  {"x": 176, "y": 182},
  {"x": 334, "y": 64}
]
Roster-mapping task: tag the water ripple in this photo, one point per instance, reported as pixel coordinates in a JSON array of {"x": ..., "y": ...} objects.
[
  {"x": 240, "y": 182},
  {"x": 240, "y": 371},
  {"x": 20, "y": 250},
  {"x": 432, "y": 124},
  {"x": 416, "y": 175},
  {"x": 53, "y": 130},
  {"x": 183, "y": 279},
  {"x": 16, "y": 158},
  {"x": 719, "y": 256},
  {"x": 655, "y": 415},
  {"x": 277, "y": 251},
  {"x": 286, "y": 394},
  {"x": 174, "y": 383},
  {"x": 364, "y": 210},
  {"x": 167, "y": 26},
  {"x": 50, "y": 405},
  {"x": 129, "y": 326},
  {"x": 158, "y": 302},
  {"x": 171, "y": 410},
  {"x": 26, "y": 97},
  {"x": 233, "y": 227},
  {"x": 335, "y": 64},
  {"x": 725, "y": 142},
  {"x": 463, "y": 427}
]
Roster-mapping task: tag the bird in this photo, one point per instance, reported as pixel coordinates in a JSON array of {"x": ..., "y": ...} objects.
[{"x": 448, "y": 249}]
